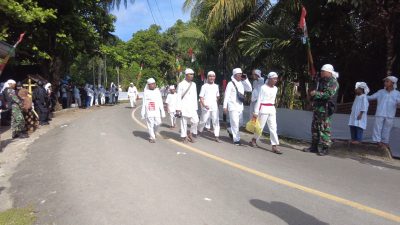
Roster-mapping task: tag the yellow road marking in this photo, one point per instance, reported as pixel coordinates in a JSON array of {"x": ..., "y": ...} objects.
[{"x": 278, "y": 180}]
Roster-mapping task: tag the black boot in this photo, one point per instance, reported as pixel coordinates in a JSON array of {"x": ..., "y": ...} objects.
[
  {"x": 323, "y": 151},
  {"x": 313, "y": 148}
]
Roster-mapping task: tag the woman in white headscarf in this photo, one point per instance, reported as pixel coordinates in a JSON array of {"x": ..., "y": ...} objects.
[
  {"x": 388, "y": 99},
  {"x": 16, "y": 105}
]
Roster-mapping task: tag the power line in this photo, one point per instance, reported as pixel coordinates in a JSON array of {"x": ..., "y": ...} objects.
[
  {"x": 172, "y": 8},
  {"x": 162, "y": 18},
  {"x": 151, "y": 11}
]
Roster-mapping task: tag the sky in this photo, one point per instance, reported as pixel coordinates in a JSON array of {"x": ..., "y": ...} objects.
[{"x": 138, "y": 16}]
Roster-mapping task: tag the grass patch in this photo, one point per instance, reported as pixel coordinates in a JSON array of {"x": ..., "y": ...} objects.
[{"x": 21, "y": 216}]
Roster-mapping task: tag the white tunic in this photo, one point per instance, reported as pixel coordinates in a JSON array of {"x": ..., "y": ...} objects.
[
  {"x": 210, "y": 93},
  {"x": 189, "y": 104},
  {"x": 231, "y": 102},
  {"x": 171, "y": 101},
  {"x": 132, "y": 91},
  {"x": 152, "y": 104},
  {"x": 387, "y": 102},
  {"x": 360, "y": 104},
  {"x": 267, "y": 95}
]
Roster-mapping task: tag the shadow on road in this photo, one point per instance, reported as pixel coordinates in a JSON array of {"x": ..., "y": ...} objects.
[
  {"x": 171, "y": 135},
  {"x": 141, "y": 134},
  {"x": 2, "y": 189},
  {"x": 291, "y": 215},
  {"x": 4, "y": 143}
]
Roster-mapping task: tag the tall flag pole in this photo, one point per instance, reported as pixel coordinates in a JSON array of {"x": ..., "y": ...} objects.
[
  {"x": 306, "y": 41},
  {"x": 11, "y": 51}
]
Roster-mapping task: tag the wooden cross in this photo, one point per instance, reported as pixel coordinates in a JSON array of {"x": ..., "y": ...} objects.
[{"x": 29, "y": 85}]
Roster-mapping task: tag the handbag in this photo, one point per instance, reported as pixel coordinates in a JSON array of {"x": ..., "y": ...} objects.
[{"x": 239, "y": 95}]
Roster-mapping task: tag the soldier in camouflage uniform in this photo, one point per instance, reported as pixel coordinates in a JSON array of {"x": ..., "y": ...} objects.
[
  {"x": 15, "y": 104},
  {"x": 323, "y": 107}
]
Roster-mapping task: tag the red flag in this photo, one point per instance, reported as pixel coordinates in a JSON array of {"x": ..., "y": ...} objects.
[
  {"x": 302, "y": 22},
  {"x": 224, "y": 83},
  {"x": 21, "y": 36},
  {"x": 201, "y": 72},
  {"x": 190, "y": 52}
]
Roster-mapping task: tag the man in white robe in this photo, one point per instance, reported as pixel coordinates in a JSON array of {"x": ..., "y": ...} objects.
[
  {"x": 132, "y": 94},
  {"x": 209, "y": 95},
  {"x": 388, "y": 100},
  {"x": 152, "y": 109},
  {"x": 171, "y": 105},
  {"x": 187, "y": 106},
  {"x": 265, "y": 111},
  {"x": 233, "y": 102},
  {"x": 258, "y": 82}
]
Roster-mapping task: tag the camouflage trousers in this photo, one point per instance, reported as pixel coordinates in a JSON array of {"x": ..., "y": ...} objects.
[
  {"x": 321, "y": 129},
  {"x": 17, "y": 120}
]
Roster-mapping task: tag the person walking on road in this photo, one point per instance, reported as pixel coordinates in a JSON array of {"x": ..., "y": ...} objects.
[
  {"x": 323, "y": 108},
  {"x": 388, "y": 100},
  {"x": 152, "y": 109},
  {"x": 77, "y": 96},
  {"x": 187, "y": 106},
  {"x": 258, "y": 82},
  {"x": 233, "y": 102},
  {"x": 209, "y": 96},
  {"x": 171, "y": 105},
  {"x": 132, "y": 94},
  {"x": 265, "y": 111}
]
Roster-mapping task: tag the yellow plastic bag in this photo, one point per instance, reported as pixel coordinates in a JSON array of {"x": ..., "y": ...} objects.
[{"x": 254, "y": 127}]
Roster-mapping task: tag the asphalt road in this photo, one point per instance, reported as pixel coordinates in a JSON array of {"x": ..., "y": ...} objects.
[{"x": 100, "y": 169}]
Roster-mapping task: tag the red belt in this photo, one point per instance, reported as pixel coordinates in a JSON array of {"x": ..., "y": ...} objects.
[{"x": 265, "y": 104}]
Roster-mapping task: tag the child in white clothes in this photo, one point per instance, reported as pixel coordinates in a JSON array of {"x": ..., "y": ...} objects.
[
  {"x": 358, "y": 116},
  {"x": 171, "y": 105}
]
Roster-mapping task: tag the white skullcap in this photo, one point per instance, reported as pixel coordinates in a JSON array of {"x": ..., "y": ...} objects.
[
  {"x": 151, "y": 81},
  {"x": 131, "y": 83},
  {"x": 236, "y": 71},
  {"x": 189, "y": 71},
  {"x": 211, "y": 73},
  {"x": 329, "y": 68},
  {"x": 172, "y": 87},
  {"x": 393, "y": 79},
  {"x": 258, "y": 73},
  {"x": 11, "y": 82},
  {"x": 363, "y": 86},
  {"x": 272, "y": 75}
]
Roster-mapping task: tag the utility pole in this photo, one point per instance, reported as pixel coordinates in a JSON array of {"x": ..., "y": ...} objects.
[
  {"x": 117, "y": 68},
  {"x": 105, "y": 70},
  {"x": 225, "y": 77}
]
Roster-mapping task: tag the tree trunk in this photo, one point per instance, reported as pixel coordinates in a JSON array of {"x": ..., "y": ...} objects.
[{"x": 390, "y": 47}]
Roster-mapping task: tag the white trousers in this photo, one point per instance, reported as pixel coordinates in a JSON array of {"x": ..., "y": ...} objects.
[
  {"x": 270, "y": 120},
  {"x": 152, "y": 125},
  {"x": 173, "y": 118},
  {"x": 103, "y": 100},
  {"x": 132, "y": 100},
  {"x": 96, "y": 101},
  {"x": 206, "y": 115},
  {"x": 234, "y": 119},
  {"x": 382, "y": 128},
  {"x": 91, "y": 101},
  {"x": 184, "y": 125}
]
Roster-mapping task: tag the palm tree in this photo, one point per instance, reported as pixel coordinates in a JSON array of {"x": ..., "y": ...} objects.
[{"x": 116, "y": 3}]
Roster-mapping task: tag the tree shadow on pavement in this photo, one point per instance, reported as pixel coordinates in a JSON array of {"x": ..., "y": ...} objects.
[
  {"x": 291, "y": 215},
  {"x": 141, "y": 134}
]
